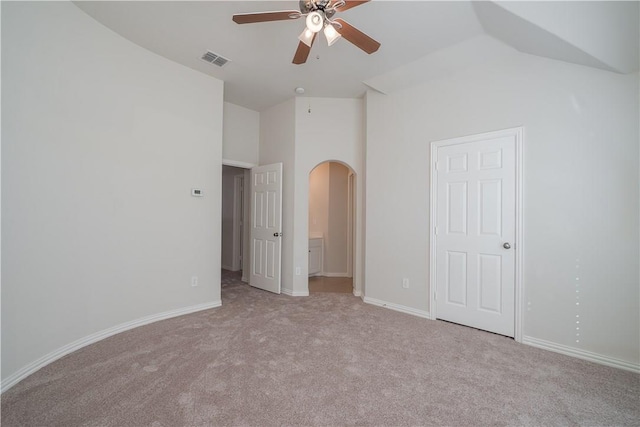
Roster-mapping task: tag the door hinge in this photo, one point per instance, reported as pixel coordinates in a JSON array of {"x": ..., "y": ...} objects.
[
  {"x": 435, "y": 231},
  {"x": 435, "y": 296},
  {"x": 437, "y": 166}
]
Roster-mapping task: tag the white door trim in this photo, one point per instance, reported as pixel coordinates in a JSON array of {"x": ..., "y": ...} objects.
[
  {"x": 350, "y": 222},
  {"x": 238, "y": 221},
  {"x": 518, "y": 133},
  {"x": 238, "y": 164}
]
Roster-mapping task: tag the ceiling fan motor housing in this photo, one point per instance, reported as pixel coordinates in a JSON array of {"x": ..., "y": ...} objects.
[
  {"x": 306, "y": 6},
  {"x": 322, "y": 6}
]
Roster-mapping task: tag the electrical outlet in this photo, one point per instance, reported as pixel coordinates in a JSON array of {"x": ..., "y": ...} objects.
[
  {"x": 405, "y": 283},
  {"x": 194, "y": 280}
]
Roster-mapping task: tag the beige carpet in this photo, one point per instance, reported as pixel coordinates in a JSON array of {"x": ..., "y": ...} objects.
[
  {"x": 342, "y": 285},
  {"x": 328, "y": 359}
]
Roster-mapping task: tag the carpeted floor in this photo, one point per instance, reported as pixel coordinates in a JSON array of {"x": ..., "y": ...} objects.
[
  {"x": 342, "y": 285},
  {"x": 327, "y": 359}
]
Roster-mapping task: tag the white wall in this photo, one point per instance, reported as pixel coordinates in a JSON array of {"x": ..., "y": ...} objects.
[
  {"x": 580, "y": 202},
  {"x": 336, "y": 256},
  {"x": 277, "y": 145},
  {"x": 607, "y": 30},
  {"x": 102, "y": 142},
  {"x": 246, "y": 227},
  {"x": 319, "y": 200},
  {"x": 241, "y": 136},
  {"x": 301, "y": 140},
  {"x": 319, "y": 137}
]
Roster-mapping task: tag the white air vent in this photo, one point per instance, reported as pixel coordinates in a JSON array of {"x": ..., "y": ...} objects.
[{"x": 214, "y": 58}]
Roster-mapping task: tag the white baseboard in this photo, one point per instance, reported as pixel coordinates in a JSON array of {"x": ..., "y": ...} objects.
[
  {"x": 581, "y": 354},
  {"x": 226, "y": 267},
  {"x": 32, "y": 367},
  {"x": 292, "y": 293},
  {"x": 397, "y": 307},
  {"x": 245, "y": 279},
  {"x": 357, "y": 293}
]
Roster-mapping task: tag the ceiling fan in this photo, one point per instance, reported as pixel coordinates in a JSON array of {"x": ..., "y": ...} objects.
[{"x": 319, "y": 14}]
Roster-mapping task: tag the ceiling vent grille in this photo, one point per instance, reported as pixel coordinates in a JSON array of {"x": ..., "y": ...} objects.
[{"x": 214, "y": 58}]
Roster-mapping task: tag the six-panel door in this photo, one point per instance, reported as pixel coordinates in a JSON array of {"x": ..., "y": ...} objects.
[
  {"x": 475, "y": 228},
  {"x": 266, "y": 227}
]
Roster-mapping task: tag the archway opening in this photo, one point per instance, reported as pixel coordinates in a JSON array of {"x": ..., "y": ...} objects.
[{"x": 331, "y": 228}]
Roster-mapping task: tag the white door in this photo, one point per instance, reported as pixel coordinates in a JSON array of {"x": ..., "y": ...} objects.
[
  {"x": 266, "y": 227},
  {"x": 475, "y": 230}
]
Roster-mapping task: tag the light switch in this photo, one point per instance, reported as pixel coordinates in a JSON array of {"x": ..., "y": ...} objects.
[{"x": 196, "y": 192}]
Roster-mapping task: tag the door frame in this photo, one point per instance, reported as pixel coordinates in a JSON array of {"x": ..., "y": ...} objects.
[
  {"x": 238, "y": 222},
  {"x": 350, "y": 221},
  {"x": 246, "y": 257},
  {"x": 518, "y": 133}
]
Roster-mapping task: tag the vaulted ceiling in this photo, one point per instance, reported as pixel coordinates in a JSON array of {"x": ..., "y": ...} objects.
[{"x": 603, "y": 35}]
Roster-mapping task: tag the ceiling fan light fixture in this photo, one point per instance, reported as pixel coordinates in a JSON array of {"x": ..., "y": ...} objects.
[
  {"x": 306, "y": 37},
  {"x": 315, "y": 21},
  {"x": 331, "y": 34}
]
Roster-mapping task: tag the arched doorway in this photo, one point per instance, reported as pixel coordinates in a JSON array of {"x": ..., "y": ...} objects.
[{"x": 331, "y": 227}]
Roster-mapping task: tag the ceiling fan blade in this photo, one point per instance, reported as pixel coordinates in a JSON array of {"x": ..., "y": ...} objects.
[
  {"x": 348, "y": 4},
  {"x": 357, "y": 37},
  {"x": 281, "y": 15},
  {"x": 302, "y": 53}
]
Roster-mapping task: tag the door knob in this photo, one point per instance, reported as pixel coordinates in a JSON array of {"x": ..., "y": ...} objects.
[
  {"x": 277, "y": 234},
  {"x": 506, "y": 246}
]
